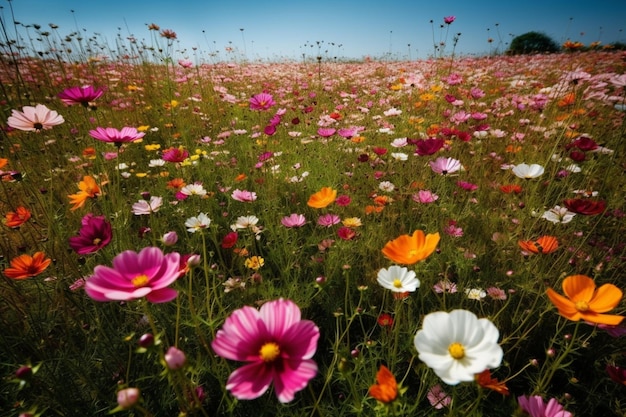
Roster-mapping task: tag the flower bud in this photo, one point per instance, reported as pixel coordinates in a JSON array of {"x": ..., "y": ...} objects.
[
  {"x": 146, "y": 340},
  {"x": 127, "y": 398},
  {"x": 169, "y": 238},
  {"x": 175, "y": 358},
  {"x": 24, "y": 372}
]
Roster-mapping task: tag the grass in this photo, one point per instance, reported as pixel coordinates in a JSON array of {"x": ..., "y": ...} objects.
[{"x": 532, "y": 108}]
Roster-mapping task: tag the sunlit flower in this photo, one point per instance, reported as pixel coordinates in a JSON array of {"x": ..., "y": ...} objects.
[
  {"x": 26, "y": 266},
  {"x": 243, "y": 195},
  {"x": 322, "y": 198},
  {"x": 544, "y": 244},
  {"x": 143, "y": 207},
  {"x": 255, "y": 262},
  {"x": 34, "y": 119},
  {"x": 527, "y": 171},
  {"x": 398, "y": 279},
  {"x": 409, "y": 249},
  {"x": 583, "y": 301},
  {"x": 293, "y": 220},
  {"x": 17, "y": 218},
  {"x": 445, "y": 166},
  {"x": 386, "y": 186},
  {"x": 277, "y": 346},
  {"x": 88, "y": 189},
  {"x": 261, "y": 101},
  {"x": 245, "y": 222},
  {"x": 94, "y": 234},
  {"x": 458, "y": 345},
  {"x": 536, "y": 407},
  {"x": 485, "y": 380},
  {"x": 193, "y": 189},
  {"x": 148, "y": 273},
  {"x": 385, "y": 389},
  {"x": 475, "y": 293},
  {"x": 438, "y": 398},
  {"x": 195, "y": 224},
  {"x": 112, "y": 135},
  {"x": 83, "y": 95},
  {"x": 558, "y": 214}
]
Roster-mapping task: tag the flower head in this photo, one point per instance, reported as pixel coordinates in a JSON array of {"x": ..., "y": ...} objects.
[
  {"x": 277, "y": 346},
  {"x": 88, "y": 189},
  {"x": 437, "y": 397},
  {"x": 148, "y": 273},
  {"x": 458, "y": 345},
  {"x": 243, "y": 195},
  {"x": 322, "y": 198},
  {"x": 585, "y": 206},
  {"x": 112, "y": 135},
  {"x": 26, "y": 266},
  {"x": 544, "y": 244},
  {"x": 558, "y": 214},
  {"x": 261, "y": 101},
  {"x": 445, "y": 166},
  {"x": 385, "y": 389},
  {"x": 583, "y": 301},
  {"x": 83, "y": 95},
  {"x": 175, "y": 154},
  {"x": 293, "y": 220},
  {"x": 398, "y": 279},
  {"x": 409, "y": 249},
  {"x": 536, "y": 407},
  {"x": 194, "y": 224},
  {"x": 485, "y": 380},
  {"x": 34, "y": 119},
  {"x": 17, "y": 218},
  {"x": 528, "y": 171},
  {"x": 449, "y": 19},
  {"x": 94, "y": 234},
  {"x": 143, "y": 207}
]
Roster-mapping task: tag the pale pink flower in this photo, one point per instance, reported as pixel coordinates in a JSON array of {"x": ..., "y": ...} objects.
[
  {"x": 437, "y": 397},
  {"x": 293, "y": 220},
  {"x": 143, "y": 207},
  {"x": 243, "y": 195},
  {"x": 327, "y": 220},
  {"x": 34, "y": 119},
  {"x": 277, "y": 346},
  {"x": 425, "y": 197},
  {"x": 445, "y": 166},
  {"x": 536, "y": 407}
]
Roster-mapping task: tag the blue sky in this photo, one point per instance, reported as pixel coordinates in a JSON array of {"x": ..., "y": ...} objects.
[{"x": 280, "y": 29}]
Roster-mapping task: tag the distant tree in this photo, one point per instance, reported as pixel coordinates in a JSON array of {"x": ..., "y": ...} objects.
[{"x": 532, "y": 43}]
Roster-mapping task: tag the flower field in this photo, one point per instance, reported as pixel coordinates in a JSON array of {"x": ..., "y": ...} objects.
[{"x": 315, "y": 238}]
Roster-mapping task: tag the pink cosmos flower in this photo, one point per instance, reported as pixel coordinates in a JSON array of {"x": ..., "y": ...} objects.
[
  {"x": 425, "y": 197},
  {"x": 112, "y": 135},
  {"x": 449, "y": 19},
  {"x": 94, "y": 234},
  {"x": 293, "y": 220},
  {"x": 444, "y": 166},
  {"x": 437, "y": 397},
  {"x": 535, "y": 407},
  {"x": 327, "y": 220},
  {"x": 80, "y": 95},
  {"x": 261, "y": 101},
  {"x": 135, "y": 275},
  {"x": 243, "y": 196},
  {"x": 277, "y": 346},
  {"x": 143, "y": 207},
  {"x": 175, "y": 154},
  {"x": 34, "y": 119},
  {"x": 326, "y": 132}
]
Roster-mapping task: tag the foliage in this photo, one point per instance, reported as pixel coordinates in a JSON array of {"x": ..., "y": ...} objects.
[{"x": 532, "y": 43}]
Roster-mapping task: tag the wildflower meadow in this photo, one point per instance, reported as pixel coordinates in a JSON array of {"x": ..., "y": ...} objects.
[{"x": 318, "y": 237}]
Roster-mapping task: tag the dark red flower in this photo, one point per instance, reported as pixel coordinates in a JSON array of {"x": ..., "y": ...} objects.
[
  {"x": 346, "y": 233},
  {"x": 583, "y": 143},
  {"x": 577, "y": 156},
  {"x": 385, "y": 320},
  {"x": 617, "y": 373},
  {"x": 229, "y": 240},
  {"x": 585, "y": 206},
  {"x": 95, "y": 233},
  {"x": 428, "y": 146},
  {"x": 379, "y": 151}
]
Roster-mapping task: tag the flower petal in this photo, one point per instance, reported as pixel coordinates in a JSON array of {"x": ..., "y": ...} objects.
[
  {"x": 250, "y": 381},
  {"x": 292, "y": 378}
]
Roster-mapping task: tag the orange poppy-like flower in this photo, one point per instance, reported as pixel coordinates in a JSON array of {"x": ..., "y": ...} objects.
[
  {"x": 545, "y": 245},
  {"x": 485, "y": 380},
  {"x": 373, "y": 209},
  {"x": 386, "y": 388},
  {"x": 88, "y": 189},
  {"x": 408, "y": 250},
  {"x": 511, "y": 188},
  {"x": 567, "y": 100},
  {"x": 25, "y": 266},
  {"x": 18, "y": 217},
  {"x": 176, "y": 183},
  {"x": 322, "y": 198},
  {"x": 583, "y": 301}
]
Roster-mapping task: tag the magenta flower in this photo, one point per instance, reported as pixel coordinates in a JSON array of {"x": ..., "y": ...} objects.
[
  {"x": 112, "y": 135},
  {"x": 80, "y": 95},
  {"x": 277, "y": 346},
  {"x": 326, "y": 132},
  {"x": 535, "y": 407},
  {"x": 449, "y": 19},
  {"x": 444, "y": 166},
  {"x": 261, "y": 101},
  {"x": 293, "y": 220},
  {"x": 175, "y": 154},
  {"x": 94, "y": 234},
  {"x": 135, "y": 275},
  {"x": 243, "y": 195}
]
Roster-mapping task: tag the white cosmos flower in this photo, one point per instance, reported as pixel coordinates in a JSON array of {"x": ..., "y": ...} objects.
[
  {"x": 398, "y": 279},
  {"x": 399, "y": 156},
  {"x": 458, "y": 345},
  {"x": 244, "y": 222},
  {"x": 194, "y": 224},
  {"x": 386, "y": 186},
  {"x": 528, "y": 171},
  {"x": 558, "y": 214}
]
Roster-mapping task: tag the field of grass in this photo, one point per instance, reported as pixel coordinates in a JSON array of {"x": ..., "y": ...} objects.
[{"x": 434, "y": 237}]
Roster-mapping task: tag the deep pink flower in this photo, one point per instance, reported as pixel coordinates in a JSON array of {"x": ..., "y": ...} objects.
[
  {"x": 449, "y": 19},
  {"x": 229, "y": 240},
  {"x": 535, "y": 407},
  {"x": 293, "y": 220},
  {"x": 346, "y": 233},
  {"x": 112, "y": 135},
  {"x": 135, "y": 275},
  {"x": 467, "y": 186},
  {"x": 175, "y": 154},
  {"x": 616, "y": 373},
  {"x": 343, "y": 200},
  {"x": 261, "y": 101},
  {"x": 277, "y": 346},
  {"x": 94, "y": 234},
  {"x": 326, "y": 132},
  {"x": 80, "y": 95}
]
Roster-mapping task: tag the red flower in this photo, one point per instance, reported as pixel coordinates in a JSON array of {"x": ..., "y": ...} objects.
[
  {"x": 25, "y": 266},
  {"x": 385, "y": 389},
  {"x": 585, "y": 206},
  {"x": 428, "y": 146},
  {"x": 485, "y": 380},
  {"x": 617, "y": 373},
  {"x": 229, "y": 240},
  {"x": 18, "y": 217},
  {"x": 385, "y": 320},
  {"x": 346, "y": 233}
]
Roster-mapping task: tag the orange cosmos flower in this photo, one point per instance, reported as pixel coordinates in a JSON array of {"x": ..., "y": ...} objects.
[
  {"x": 567, "y": 100},
  {"x": 88, "y": 189},
  {"x": 583, "y": 301},
  {"x": 545, "y": 245},
  {"x": 511, "y": 188},
  {"x": 411, "y": 249},
  {"x": 322, "y": 198},
  {"x": 3, "y": 162},
  {"x": 485, "y": 380},
  {"x": 25, "y": 266},
  {"x": 386, "y": 388},
  {"x": 18, "y": 217}
]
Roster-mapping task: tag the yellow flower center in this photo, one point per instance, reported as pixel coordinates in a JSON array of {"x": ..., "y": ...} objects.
[
  {"x": 140, "y": 280},
  {"x": 397, "y": 283},
  {"x": 581, "y": 306},
  {"x": 269, "y": 351},
  {"x": 457, "y": 350},
  {"x": 97, "y": 241}
]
